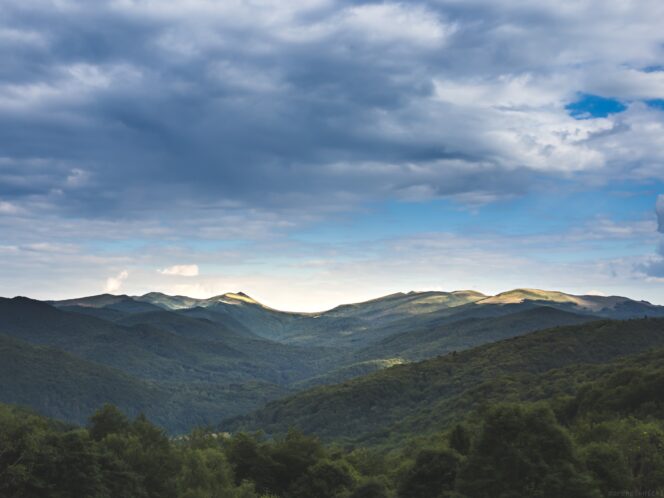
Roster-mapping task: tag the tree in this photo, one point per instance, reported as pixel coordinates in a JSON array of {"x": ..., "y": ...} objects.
[
  {"x": 459, "y": 439},
  {"x": 431, "y": 475},
  {"x": 22, "y": 438},
  {"x": 639, "y": 444},
  {"x": 609, "y": 466},
  {"x": 323, "y": 480},
  {"x": 72, "y": 467},
  {"x": 292, "y": 457},
  {"x": 371, "y": 488},
  {"x": 154, "y": 458},
  {"x": 522, "y": 451},
  {"x": 204, "y": 472},
  {"x": 107, "y": 420},
  {"x": 251, "y": 461}
]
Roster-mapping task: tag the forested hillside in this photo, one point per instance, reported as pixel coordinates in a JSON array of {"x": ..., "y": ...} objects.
[
  {"x": 604, "y": 440},
  {"x": 415, "y": 398}
]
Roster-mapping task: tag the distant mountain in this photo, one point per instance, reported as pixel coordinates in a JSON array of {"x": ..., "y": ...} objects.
[
  {"x": 182, "y": 302},
  {"x": 38, "y": 322},
  {"x": 122, "y": 303},
  {"x": 466, "y": 333},
  {"x": 406, "y": 399},
  {"x": 232, "y": 310},
  {"x": 361, "y": 324},
  {"x": 226, "y": 355},
  {"x": 403, "y": 304},
  {"x": 607, "y": 306}
]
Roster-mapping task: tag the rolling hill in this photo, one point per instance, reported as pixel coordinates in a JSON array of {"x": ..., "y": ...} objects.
[{"x": 407, "y": 399}]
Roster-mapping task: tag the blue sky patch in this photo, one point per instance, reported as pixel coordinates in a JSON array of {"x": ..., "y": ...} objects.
[
  {"x": 657, "y": 103},
  {"x": 593, "y": 106}
]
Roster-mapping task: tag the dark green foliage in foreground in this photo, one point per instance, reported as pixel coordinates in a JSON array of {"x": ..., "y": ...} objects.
[
  {"x": 607, "y": 438},
  {"x": 524, "y": 450}
]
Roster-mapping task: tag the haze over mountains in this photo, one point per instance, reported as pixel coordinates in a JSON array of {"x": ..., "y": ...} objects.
[{"x": 186, "y": 361}]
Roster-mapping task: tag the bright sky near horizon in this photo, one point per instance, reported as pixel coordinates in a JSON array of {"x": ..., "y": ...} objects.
[{"x": 318, "y": 152}]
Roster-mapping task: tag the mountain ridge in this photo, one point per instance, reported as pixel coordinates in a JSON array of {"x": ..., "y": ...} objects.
[{"x": 510, "y": 296}]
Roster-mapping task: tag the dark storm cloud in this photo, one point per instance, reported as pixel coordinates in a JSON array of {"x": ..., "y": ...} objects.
[{"x": 110, "y": 108}]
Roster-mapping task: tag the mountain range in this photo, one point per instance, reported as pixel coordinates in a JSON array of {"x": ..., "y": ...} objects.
[{"x": 187, "y": 362}]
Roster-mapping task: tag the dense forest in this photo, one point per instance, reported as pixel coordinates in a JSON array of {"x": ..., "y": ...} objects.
[{"x": 606, "y": 440}]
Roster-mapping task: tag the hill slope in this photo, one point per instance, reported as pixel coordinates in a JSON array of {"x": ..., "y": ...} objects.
[
  {"x": 467, "y": 333},
  {"x": 60, "y": 385},
  {"x": 376, "y": 403}
]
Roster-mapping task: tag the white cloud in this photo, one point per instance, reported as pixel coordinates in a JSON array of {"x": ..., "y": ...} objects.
[
  {"x": 180, "y": 270},
  {"x": 113, "y": 284},
  {"x": 660, "y": 213},
  {"x": 396, "y": 22},
  {"x": 8, "y": 208}
]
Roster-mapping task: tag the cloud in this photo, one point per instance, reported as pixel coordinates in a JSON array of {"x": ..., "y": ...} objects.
[
  {"x": 654, "y": 266},
  {"x": 113, "y": 284},
  {"x": 8, "y": 208},
  {"x": 261, "y": 108},
  {"x": 155, "y": 128},
  {"x": 181, "y": 270}
]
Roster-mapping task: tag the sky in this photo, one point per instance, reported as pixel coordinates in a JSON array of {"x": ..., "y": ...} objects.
[{"x": 318, "y": 152}]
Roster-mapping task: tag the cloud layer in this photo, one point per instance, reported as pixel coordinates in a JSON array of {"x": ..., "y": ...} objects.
[
  {"x": 123, "y": 106},
  {"x": 172, "y": 123}
]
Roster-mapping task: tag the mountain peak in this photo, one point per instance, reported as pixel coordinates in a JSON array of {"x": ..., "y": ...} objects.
[{"x": 240, "y": 296}]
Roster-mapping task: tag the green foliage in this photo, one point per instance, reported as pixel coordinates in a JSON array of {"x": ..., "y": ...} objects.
[
  {"x": 204, "y": 472},
  {"x": 36, "y": 460},
  {"x": 524, "y": 452},
  {"x": 460, "y": 439},
  {"x": 511, "y": 450},
  {"x": 325, "y": 479},
  {"x": 432, "y": 475},
  {"x": 274, "y": 467},
  {"x": 624, "y": 449},
  {"x": 250, "y": 462},
  {"x": 108, "y": 420},
  {"x": 372, "y": 488},
  {"x": 608, "y": 465}
]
